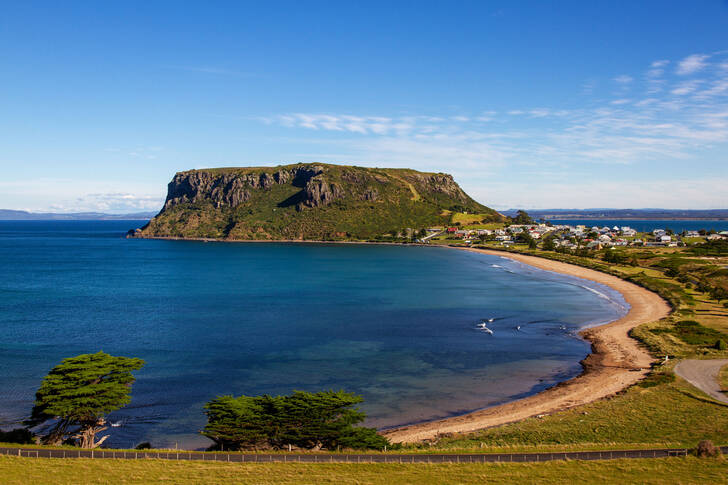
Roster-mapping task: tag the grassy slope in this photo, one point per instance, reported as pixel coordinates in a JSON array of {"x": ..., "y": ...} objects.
[
  {"x": 16, "y": 470},
  {"x": 403, "y": 202},
  {"x": 667, "y": 415}
]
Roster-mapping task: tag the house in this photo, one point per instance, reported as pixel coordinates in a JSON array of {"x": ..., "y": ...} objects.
[
  {"x": 451, "y": 230},
  {"x": 665, "y": 239},
  {"x": 692, "y": 234},
  {"x": 594, "y": 245}
]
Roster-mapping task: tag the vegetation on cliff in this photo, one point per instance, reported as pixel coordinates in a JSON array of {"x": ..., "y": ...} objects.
[{"x": 309, "y": 201}]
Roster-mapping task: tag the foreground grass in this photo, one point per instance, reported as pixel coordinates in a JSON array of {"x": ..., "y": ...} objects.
[{"x": 14, "y": 470}]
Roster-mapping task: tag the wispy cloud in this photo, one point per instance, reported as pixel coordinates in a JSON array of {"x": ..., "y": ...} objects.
[
  {"x": 686, "y": 87},
  {"x": 665, "y": 118},
  {"x": 115, "y": 202},
  {"x": 692, "y": 64}
]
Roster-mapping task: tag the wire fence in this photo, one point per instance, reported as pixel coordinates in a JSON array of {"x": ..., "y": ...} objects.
[{"x": 346, "y": 457}]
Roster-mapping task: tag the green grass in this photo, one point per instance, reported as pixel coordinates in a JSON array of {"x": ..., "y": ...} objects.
[
  {"x": 692, "y": 333},
  {"x": 50, "y": 471},
  {"x": 667, "y": 414},
  {"x": 368, "y": 204},
  {"x": 470, "y": 218},
  {"x": 723, "y": 378}
]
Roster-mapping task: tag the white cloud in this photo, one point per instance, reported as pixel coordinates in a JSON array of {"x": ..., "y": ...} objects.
[
  {"x": 686, "y": 87},
  {"x": 116, "y": 202},
  {"x": 675, "y": 124},
  {"x": 540, "y": 112},
  {"x": 692, "y": 64},
  {"x": 690, "y": 193}
]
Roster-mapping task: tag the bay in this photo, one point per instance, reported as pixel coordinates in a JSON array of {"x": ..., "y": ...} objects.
[{"x": 396, "y": 324}]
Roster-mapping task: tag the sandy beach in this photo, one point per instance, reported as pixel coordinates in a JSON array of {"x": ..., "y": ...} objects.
[{"x": 616, "y": 362}]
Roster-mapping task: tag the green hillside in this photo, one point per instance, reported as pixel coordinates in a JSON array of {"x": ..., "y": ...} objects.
[{"x": 308, "y": 202}]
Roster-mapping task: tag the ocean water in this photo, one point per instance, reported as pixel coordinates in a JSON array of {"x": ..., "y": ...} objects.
[
  {"x": 677, "y": 225},
  {"x": 395, "y": 324}
]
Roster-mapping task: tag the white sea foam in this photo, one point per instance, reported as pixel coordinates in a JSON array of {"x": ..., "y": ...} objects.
[{"x": 602, "y": 295}]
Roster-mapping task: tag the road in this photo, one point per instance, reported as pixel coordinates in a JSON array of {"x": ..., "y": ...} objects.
[{"x": 703, "y": 374}]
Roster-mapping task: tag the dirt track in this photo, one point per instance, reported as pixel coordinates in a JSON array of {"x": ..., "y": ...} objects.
[{"x": 703, "y": 374}]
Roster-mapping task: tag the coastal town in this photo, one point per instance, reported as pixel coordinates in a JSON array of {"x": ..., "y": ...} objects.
[{"x": 571, "y": 237}]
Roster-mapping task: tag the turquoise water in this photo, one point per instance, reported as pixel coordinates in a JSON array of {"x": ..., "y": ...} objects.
[
  {"x": 396, "y": 324},
  {"x": 677, "y": 225}
]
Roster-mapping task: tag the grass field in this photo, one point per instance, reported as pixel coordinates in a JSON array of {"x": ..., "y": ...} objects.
[
  {"x": 672, "y": 414},
  {"x": 474, "y": 221},
  {"x": 14, "y": 470}
]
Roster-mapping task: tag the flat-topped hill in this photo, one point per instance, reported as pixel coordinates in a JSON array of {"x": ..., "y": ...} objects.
[{"x": 308, "y": 201}]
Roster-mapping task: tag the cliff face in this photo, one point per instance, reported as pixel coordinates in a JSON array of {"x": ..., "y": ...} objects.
[
  {"x": 233, "y": 189},
  {"x": 306, "y": 201}
]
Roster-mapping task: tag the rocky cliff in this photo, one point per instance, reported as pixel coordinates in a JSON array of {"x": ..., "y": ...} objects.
[{"x": 307, "y": 201}]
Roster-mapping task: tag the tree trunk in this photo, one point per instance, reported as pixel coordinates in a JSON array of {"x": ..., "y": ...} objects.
[
  {"x": 87, "y": 434},
  {"x": 55, "y": 436}
]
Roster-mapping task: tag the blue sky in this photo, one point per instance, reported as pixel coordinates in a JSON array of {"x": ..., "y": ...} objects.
[{"x": 528, "y": 104}]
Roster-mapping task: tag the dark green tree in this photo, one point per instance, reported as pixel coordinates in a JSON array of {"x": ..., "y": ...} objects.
[
  {"x": 303, "y": 419},
  {"x": 522, "y": 217},
  {"x": 78, "y": 393},
  {"x": 548, "y": 243}
]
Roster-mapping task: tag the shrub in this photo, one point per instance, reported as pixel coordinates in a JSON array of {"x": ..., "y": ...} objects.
[
  {"x": 672, "y": 272},
  {"x": 691, "y": 332},
  {"x": 21, "y": 436},
  {"x": 721, "y": 344},
  {"x": 143, "y": 446},
  {"x": 706, "y": 449},
  {"x": 655, "y": 379},
  {"x": 363, "y": 438}
]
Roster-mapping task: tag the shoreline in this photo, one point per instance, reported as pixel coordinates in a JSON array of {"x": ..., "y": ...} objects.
[{"x": 616, "y": 362}]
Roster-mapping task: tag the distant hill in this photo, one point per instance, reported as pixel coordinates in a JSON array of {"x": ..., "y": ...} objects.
[
  {"x": 308, "y": 202},
  {"x": 636, "y": 214},
  {"x": 15, "y": 215}
]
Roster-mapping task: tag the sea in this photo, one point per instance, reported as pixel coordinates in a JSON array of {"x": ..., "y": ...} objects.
[
  {"x": 640, "y": 225},
  {"x": 396, "y": 324}
]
